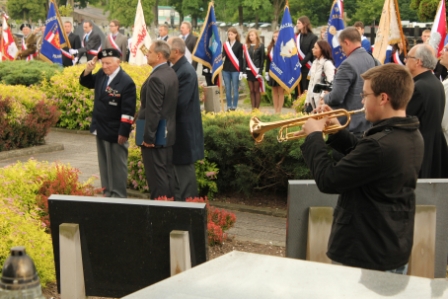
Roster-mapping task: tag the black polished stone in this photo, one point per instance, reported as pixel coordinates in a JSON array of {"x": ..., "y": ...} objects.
[{"x": 125, "y": 242}]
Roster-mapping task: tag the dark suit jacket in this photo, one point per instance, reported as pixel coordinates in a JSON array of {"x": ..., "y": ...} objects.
[
  {"x": 165, "y": 38},
  {"x": 428, "y": 104},
  {"x": 307, "y": 42},
  {"x": 190, "y": 42},
  {"x": 122, "y": 43},
  {"x": 112, "y": 113},
  {"x": 189, "y": 146},
  {"x": 91, "y": 47},
  {"x": 75, "y": 43},
  {"x": 237, "y": 49},
  {"x": 158, "y": 101}
]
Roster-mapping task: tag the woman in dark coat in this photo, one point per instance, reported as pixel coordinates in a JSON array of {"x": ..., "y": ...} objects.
[
  {"x": 254, "y": 59},
  {"x": 305, "y": 43}
]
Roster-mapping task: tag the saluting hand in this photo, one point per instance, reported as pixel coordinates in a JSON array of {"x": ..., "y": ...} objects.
[{"x": 90, "y": 66}]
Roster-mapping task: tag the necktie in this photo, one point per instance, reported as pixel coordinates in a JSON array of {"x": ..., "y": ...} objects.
[
  {"x": 87, "y": 38},
  {"x": 183, "y": 37},
  {"x": 106, "y": 79}
]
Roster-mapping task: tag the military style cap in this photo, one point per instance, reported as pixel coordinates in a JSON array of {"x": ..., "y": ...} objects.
[
  {"x": 25, "y": 25},
  {"x": 109, "y": 53}
]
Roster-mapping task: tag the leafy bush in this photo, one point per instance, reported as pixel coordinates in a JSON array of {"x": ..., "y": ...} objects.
[
  {"x": 218, "y": 220},
  {"x": 21, "y": 127},
  {"x": 21, "y": 72},
  {"x": 206, "y": 172},
  {"x": 19, "y": 220},
  {"x": 75, "y": 101},
  {"x": 27, "y": 96},
  {"x": 65, "y": 182},
  {"x": 247, "y": 167}
]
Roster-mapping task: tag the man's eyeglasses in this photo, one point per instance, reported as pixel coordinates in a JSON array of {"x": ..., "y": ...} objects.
[
  {"x": 363, "y": 95},
  {"x": 409, "y": 57}
]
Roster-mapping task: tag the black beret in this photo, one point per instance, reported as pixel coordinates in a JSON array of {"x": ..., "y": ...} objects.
[
  {"x": 110, "y": 52},
  {"x": 25, "y": 25}
]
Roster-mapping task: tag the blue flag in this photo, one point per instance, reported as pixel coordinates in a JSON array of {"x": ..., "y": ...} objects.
[
  {"x": 54, "y": 38},
  {"x": 335, "y": 26},
  {"x": 285, "y": 65},
  {"x": 208, "y": 50}
]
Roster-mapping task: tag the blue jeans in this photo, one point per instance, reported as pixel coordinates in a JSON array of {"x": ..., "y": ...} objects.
[{"x": 232, "y": 82}]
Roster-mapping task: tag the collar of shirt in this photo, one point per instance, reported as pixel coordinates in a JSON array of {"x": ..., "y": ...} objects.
[
  {"x": 113, "y": 75},
  {"x": 185, "y": 36},
  {"x": 154, "y": 68},
  {"x": 88, "y": 33}
]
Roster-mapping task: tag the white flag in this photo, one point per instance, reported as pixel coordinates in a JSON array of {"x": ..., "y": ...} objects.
[{"x": 140, "y": 37}]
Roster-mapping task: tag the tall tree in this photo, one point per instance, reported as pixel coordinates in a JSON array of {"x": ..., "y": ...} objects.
[
  {"x": 196, "y": 9},
  {"x": 124, "y": 11},
  {"x": 370, "y": 10},
  {"x": 28, "y": 10},
  {"x": 426, "y": 9},
  {"x": 316, "y": 10}
]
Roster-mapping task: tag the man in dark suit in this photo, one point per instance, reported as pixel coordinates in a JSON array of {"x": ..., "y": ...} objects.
[
  {"x": 116, "y": 40},
  {"x": 112, "y": 118},
  {"x": 347, "y": 83},
  {"x": 189, "y": 146},
  {"x": 158, "y": 104},
  {"x": 428, "y": 104},
  {"x": 190, "y": 41},
  {"x": 163, "y": 32},
  {"x": 75, "y": 43},
  {"x": 90, "y": 44}
]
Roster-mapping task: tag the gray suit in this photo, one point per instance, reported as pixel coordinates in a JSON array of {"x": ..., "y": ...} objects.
[
  {"x": 159, "y": 101},
  {"x": 121, "y": 41},
  {"x": 347, "y": 86}
]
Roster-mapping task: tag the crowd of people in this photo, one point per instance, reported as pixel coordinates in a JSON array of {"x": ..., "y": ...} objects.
[{"x": 375, "y": 163}]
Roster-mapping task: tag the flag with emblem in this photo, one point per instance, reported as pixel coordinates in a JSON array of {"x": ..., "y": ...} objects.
[
  {"x": 140, "y": 38},
  {"x": 54, "y": 38},
  {"x": 208, "y": 49},
  {"x": 285, "y": 65},
  {"x": 335, "y": 26},
  {"x": 389, "y": 31},
  {"x": 8, "y": 48}
]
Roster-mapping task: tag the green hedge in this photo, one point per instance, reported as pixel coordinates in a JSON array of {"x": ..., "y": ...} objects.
[
  {"x": 21, "y": 72},
  {"x": 247, "y": 167}
]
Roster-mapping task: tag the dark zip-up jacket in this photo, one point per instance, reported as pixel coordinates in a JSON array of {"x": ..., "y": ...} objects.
[{"x": 373, "y": 222}]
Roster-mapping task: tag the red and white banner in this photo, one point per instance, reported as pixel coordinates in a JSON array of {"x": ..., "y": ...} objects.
[
  {"x": 396, "y": 58},
  {"x": 301, "y": 54},
  {"x": 140, "y": 37},
  {"x": 232, "y": 56},
  {"x": 253, "y": 69},
  {"x": 8, "y": 47},
  {"x": 438, "y": 30}
]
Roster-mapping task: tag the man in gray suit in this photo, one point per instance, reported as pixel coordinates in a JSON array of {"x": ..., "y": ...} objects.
[
  {"x": 116, "y": 40},
  {"x": 347, "y": 83},
  {"x": 158, "y": 105},
  {"x": 189, "y": 146},
  {"x": 190, "y": 40}
]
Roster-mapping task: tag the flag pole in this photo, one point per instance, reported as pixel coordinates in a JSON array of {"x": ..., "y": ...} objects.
[
  {"x": 397, "y": 12},
  {"x": 2, "y": 41},
  {"x": 221, "y": 92}
]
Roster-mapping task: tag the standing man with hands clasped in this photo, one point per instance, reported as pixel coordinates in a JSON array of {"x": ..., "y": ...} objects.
[
  {"x": 112, "y": 118},
  {"x": 373, "y": 222},
  {"x": 158, "y": 108}
]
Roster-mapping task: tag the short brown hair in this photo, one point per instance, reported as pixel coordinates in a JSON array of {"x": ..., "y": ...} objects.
[
  {"x": 394, "y": 80},
  {"x": 351, "y": 34},
  {"x": 116, "y": 23},
  {"x": 358, "y": 24}
]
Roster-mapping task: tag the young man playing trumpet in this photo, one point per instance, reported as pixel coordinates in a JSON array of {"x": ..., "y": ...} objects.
[{"x": 373, "y": 222}]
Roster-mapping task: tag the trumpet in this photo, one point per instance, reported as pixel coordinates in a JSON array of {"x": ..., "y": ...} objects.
[{"x": 259, "y": 128}]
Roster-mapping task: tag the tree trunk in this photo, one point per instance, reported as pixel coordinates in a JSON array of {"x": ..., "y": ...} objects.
[
  {"x": 155, "y": 11},
  {"x": 240, "y": 15}
]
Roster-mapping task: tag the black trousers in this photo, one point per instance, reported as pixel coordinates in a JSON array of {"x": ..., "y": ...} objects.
[{"x": 158, "y": 162}]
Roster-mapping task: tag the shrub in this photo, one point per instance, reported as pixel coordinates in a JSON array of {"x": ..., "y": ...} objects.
[
  {"x": 20, "y": 128},
  {"x": 218, "y": 220},
  {"x": 27, "y": 96},
  {"x": 65, "y": 182},
  {"x": 19, "y": 220},
  {"x": 245, "y": 166},
  {"x": 75, "y": 101},
  {"x": 206, "y": 172},
  {"x": 21, "y": 72}
]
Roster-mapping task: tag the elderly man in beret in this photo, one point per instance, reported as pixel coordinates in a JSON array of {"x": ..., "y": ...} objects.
[
  {"x": 113, "y": 115},
  {"x": 28, "y": 47}
]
